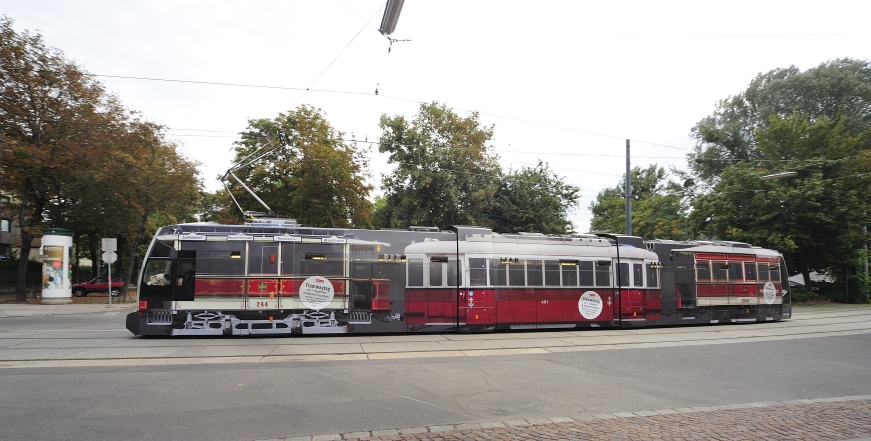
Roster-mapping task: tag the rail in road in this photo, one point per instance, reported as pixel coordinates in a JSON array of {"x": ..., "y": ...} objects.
[{"x": 82, "y": 345}]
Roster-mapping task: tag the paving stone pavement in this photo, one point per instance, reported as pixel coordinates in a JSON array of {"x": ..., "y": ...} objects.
[{"x": 836, "y": 419}]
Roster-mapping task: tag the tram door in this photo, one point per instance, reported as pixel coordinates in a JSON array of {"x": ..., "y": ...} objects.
[
  {"x": 184, "y": 276},
  {"x": 263, "y": 284}
]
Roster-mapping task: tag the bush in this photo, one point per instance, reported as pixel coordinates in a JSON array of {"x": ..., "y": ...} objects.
[{"x": 801, "y": 296}]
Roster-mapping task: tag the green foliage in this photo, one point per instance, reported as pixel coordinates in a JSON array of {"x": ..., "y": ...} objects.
[
  {"x": 316, "y": 176},
  {"x": 75, "y": 157},
  {"x": 841, "y": 86},
  {"x": 445, "y": 172},
  {"x": 657, "y": 207},
  {"x": 533, "y": 199}
]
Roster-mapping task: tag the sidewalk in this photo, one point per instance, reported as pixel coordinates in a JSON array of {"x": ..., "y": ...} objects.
[
  {"x": 35, "y": 309},
  {"x": 837, "y": 418}
]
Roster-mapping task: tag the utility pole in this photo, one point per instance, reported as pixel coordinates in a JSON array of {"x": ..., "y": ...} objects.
[
  {"x": 865, "y": 239},
  {"x": 628, "y": 195}
]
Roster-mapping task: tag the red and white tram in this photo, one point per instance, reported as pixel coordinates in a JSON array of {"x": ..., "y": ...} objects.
[{"x": 274, "y": 277}]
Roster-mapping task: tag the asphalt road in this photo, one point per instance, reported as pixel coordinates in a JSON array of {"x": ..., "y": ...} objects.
[{"x": 80, "y": 376}]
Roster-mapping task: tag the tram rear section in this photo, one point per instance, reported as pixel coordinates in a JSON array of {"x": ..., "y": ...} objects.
[{"x": 274, "y": 277}]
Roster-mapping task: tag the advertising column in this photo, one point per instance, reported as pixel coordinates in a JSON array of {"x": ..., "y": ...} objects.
[{"x": 56, "y": 284}]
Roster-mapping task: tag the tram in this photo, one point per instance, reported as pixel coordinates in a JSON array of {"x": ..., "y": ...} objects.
[{"x": 272, "y": 276}]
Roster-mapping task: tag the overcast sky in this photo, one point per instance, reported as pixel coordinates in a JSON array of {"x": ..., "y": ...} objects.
[{"x": 566, "y": 82}]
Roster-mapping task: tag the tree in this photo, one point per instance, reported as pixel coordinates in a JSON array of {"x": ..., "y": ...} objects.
[
  {"x": 315, "y": 175},
  {"x": 445, "y": 173},
  {"x": 533, "y": 199},
  {"x": 657, "y": 207},
  {"x": 841, "y": 86},
  {"x": 815, "y": 217},
  {"x": 51, "y": 112},
  {"x": 75, "y": 157}
]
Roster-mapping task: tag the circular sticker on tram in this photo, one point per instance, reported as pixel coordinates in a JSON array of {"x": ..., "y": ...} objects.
[
  {"x": 590, "y": 305},
  {"x": 770, "y": 293},
  {"x": 316, "y": 292}
]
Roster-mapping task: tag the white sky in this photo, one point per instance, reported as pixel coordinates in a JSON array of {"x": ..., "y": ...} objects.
[{"x": 553, "y": 76}]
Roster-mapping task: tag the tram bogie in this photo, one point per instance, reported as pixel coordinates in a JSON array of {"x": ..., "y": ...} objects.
[{"x": 207, "y": 279}]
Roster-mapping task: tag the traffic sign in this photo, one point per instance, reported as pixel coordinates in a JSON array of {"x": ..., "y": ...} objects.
[
  {"x": 109, "y": 244},
  {"x": 109, "y": 257}
]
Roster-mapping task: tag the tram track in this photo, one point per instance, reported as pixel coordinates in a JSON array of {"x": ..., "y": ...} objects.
[{"x": 54, "y": 349}]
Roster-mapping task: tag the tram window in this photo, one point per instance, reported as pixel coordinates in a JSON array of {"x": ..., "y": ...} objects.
[
  {"x": 551, "y": 273},
  {"x": 222, "y": 262},
  {"x": 517, "y": 274},
  {"x": 435, "y": 273},
  {"x": 750, "y": 271},
  {"x": 319, "y": 260},
  {"x": 603, "y": 273},
  {"x": 157, "y": 272},
  {"x": 703, "y": 272},
  {"x": 477, "y": 271},
  {"x": 763, "y": 272},
  {"x": 736, "y": 272},
  {"x": 570, "y": 272},
  {"x": 719, "y": 271},
  {"x": 498, "y": 272},
  {"x": 263, "y": 259},
  {"x": 638, "y": 274},
  {"x": 161, "y": 249},
  {"x": 586, "y": 273},
  {"x": 219, "y": 258},
  {"x": 775, "y": 273},
  {"x": 415, "y": 272},
  {"x": 652, "y": 279},
  {"x": 452, "y": 272},
  {"x": 624, "y": 274},
  {"x": 533, "y": 273}
]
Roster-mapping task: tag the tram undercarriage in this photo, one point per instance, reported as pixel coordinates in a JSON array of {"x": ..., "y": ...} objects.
[{"x": 168, "y": 322}]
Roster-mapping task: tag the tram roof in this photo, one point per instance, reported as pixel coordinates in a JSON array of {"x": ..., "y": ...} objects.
[
  {"x": 530, "y": 245},
  {"x": 729, "y": 249}
]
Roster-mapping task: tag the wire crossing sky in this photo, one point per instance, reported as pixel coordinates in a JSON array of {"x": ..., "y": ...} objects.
[{"x": 564, "y": 82}]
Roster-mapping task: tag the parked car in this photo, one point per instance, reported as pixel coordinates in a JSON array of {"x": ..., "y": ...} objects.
[{"x": 99, "y": 284}]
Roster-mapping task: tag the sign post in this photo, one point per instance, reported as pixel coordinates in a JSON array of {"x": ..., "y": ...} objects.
[{"x": 109, "y": 245}]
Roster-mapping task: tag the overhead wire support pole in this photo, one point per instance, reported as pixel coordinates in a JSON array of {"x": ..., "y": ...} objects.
[{"x": 628, "y": 194}]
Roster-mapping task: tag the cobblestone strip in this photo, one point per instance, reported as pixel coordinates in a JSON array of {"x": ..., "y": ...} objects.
[{"x": 824, "y": 419}]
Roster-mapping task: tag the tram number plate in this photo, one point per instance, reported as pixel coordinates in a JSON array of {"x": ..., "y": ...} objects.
[{"x": 262, "y": 304}]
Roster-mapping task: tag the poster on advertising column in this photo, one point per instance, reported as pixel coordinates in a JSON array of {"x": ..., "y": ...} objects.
[{"x": 53, "y": 267}]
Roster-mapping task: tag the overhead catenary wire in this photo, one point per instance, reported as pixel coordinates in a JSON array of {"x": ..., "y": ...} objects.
[{"x": 210, "y": 83}]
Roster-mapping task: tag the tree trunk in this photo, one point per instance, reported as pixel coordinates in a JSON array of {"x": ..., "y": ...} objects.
[
  {"x": 95, "y": 258},
  {"x": 24, "y": 256},
  {"x": 131, "y": 255}
]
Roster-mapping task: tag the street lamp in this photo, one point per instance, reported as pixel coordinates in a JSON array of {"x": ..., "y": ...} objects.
[
  {"x": 391, "y": 16},
  {"x": 779, "y": 175}
]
